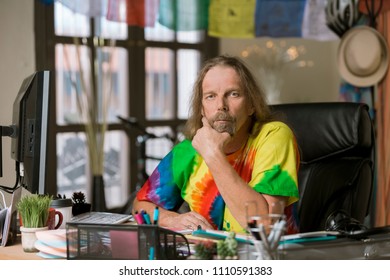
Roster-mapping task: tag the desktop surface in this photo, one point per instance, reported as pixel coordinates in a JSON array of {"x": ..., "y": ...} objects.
[
  {"x": 15, "y": 252},
  {"x": 375, "y": 246}
]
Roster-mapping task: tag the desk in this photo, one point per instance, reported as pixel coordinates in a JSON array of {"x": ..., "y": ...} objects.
[
  {"x": 15, "y": 252},
  {"x": 376, "y": 246}
]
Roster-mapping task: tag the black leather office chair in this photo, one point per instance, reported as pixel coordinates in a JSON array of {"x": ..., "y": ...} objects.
[{"x": 336, "y": 142}]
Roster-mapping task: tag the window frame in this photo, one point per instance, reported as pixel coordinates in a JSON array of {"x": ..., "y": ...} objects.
[{"x": 45, "y": 42}]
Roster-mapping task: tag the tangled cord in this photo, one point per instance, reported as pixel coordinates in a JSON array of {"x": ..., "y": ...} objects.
[{"x": 340, "y": 221}]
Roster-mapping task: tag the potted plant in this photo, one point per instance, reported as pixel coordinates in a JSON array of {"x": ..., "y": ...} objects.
[
  {"x": 79, "y": 204},
  {"x": 33, "y": 212}
]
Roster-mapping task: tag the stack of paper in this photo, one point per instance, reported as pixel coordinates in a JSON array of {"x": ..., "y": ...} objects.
[{"x": 51, "y": 243}]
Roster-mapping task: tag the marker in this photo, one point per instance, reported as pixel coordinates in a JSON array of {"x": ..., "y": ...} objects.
[
  {"x": 139, "y": 218},
  {"x": 155, "y": 216},
  {"x": 146, "y": 217},
  {"x": 151, "y": 253},
  {"x": 254, "y": 230}
]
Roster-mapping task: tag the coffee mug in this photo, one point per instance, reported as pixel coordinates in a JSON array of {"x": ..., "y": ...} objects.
[
  {"x": 65, "y": 207},
  {"x": 52, "y": 222}
]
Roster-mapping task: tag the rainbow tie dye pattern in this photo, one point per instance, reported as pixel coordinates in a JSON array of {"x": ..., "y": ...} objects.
[{"x": 268, "y": 162}]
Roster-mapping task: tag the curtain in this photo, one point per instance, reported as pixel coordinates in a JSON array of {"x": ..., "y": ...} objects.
[
  {"x": 382, "y": 107},
  {"x": 383, "y": 135}
]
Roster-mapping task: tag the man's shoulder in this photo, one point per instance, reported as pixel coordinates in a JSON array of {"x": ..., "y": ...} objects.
[
  {"x": 274, "y": 126},
  {"x": 277, "y": 124},
  {"x": 184, "y": 146},
  {"x": 183, "y": 155}
]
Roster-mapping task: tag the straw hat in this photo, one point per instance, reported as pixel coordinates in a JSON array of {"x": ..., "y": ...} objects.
[{"x": 363, "y": 56}]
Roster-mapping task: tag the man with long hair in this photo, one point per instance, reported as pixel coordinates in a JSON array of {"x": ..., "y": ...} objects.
[{"x": 234, "y": 153}]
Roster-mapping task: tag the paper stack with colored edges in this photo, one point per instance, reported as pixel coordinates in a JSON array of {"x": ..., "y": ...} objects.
[{"x": 51, "y": 243}]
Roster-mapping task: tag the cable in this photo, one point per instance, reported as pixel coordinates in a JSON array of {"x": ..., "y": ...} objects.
[{"x": 9, "y": 189}]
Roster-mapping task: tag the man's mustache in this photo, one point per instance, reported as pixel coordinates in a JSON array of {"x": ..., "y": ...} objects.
[{"x": 223, "y": 116}]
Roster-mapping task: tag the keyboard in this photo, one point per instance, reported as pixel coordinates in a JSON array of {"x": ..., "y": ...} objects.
[{"x": 101, "y": 218}]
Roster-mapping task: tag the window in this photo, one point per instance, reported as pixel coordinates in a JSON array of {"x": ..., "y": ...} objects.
[{"x": 151, "y": 72}]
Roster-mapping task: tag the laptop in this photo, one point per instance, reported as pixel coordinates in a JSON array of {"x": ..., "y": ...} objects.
[{"x": 101, "y": 218}]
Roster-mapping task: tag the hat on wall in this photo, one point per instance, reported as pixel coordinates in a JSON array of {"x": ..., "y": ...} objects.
[{"x": 363, "y": 56}]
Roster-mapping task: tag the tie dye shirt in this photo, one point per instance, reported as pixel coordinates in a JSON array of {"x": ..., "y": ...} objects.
[{"x": 268, "y": 162}]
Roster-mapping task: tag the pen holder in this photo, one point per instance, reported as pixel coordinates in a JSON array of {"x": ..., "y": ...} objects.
[
  {"x": 126, "y": 242},
  {"x": 267, "y": 230},
  {"x": 159, "y": 243}
]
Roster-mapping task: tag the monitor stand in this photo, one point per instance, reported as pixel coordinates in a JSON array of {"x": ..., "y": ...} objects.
[{"x": 5, "y": 131}]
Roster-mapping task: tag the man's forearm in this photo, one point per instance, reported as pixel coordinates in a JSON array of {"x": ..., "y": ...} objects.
[{"x": 234, "y": 190}]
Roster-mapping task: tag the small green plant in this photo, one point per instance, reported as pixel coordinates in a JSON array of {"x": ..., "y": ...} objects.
[
  {"x": 205, "y": 250},
  {"x": 227, "y": 249},
  {"x": 79, "y": 204},
  {"x": 34, "y": 210}
]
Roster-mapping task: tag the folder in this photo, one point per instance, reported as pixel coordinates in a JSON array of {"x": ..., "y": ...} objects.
[{"x": 8, "y": 219}]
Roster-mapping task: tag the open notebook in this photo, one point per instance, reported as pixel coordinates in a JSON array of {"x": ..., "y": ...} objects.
[{"x": 102, "y": 218}]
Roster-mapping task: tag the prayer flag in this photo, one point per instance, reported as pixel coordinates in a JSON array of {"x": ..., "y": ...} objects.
[
  {"x": 314, "y": 22},
  {"x": 184, "y": 15},
  {"x": 141, "y": 13},
  {"x": 279, "y": 18},
  {"x": 230, "y": 18},
  {"x": 90, "y": 8}
]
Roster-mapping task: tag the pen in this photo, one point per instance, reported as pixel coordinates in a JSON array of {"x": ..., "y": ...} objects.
[
  {"x": 279, "y": 227},
  {"x": 139, "y": 218},
  {"x": 155, "y": 216},
  {"x": 146, "y": 217},
  {"x": 263, "y": 237}
]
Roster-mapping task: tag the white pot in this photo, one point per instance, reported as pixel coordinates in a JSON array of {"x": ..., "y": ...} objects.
[{"x": 29, "y": 238}]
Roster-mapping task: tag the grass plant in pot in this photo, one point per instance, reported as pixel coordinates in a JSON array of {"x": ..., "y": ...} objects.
[{"x": 34, "y": 212}]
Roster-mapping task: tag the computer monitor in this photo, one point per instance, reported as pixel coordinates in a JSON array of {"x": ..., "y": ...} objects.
[{"x": 30, "y": 122}]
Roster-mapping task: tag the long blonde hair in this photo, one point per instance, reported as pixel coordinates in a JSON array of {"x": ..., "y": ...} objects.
[{"x": 252, "y": 90}]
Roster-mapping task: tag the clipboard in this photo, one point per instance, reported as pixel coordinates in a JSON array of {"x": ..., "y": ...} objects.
[{"x": 8, "y": 230}]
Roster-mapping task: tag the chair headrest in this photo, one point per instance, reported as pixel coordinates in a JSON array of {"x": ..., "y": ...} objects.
[{"x": 328, "y": 129}]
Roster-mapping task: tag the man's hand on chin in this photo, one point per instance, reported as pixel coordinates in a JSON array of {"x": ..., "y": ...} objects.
[{"x": 207, "y": 141}]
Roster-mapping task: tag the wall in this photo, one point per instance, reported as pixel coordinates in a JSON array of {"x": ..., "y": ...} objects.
[
  {"x": 318, "y": 81},
  {"x": 17, "y": 56}
]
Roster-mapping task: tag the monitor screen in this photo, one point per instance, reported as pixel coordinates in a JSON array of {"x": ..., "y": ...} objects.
[{"x": 30, "y": 120}]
